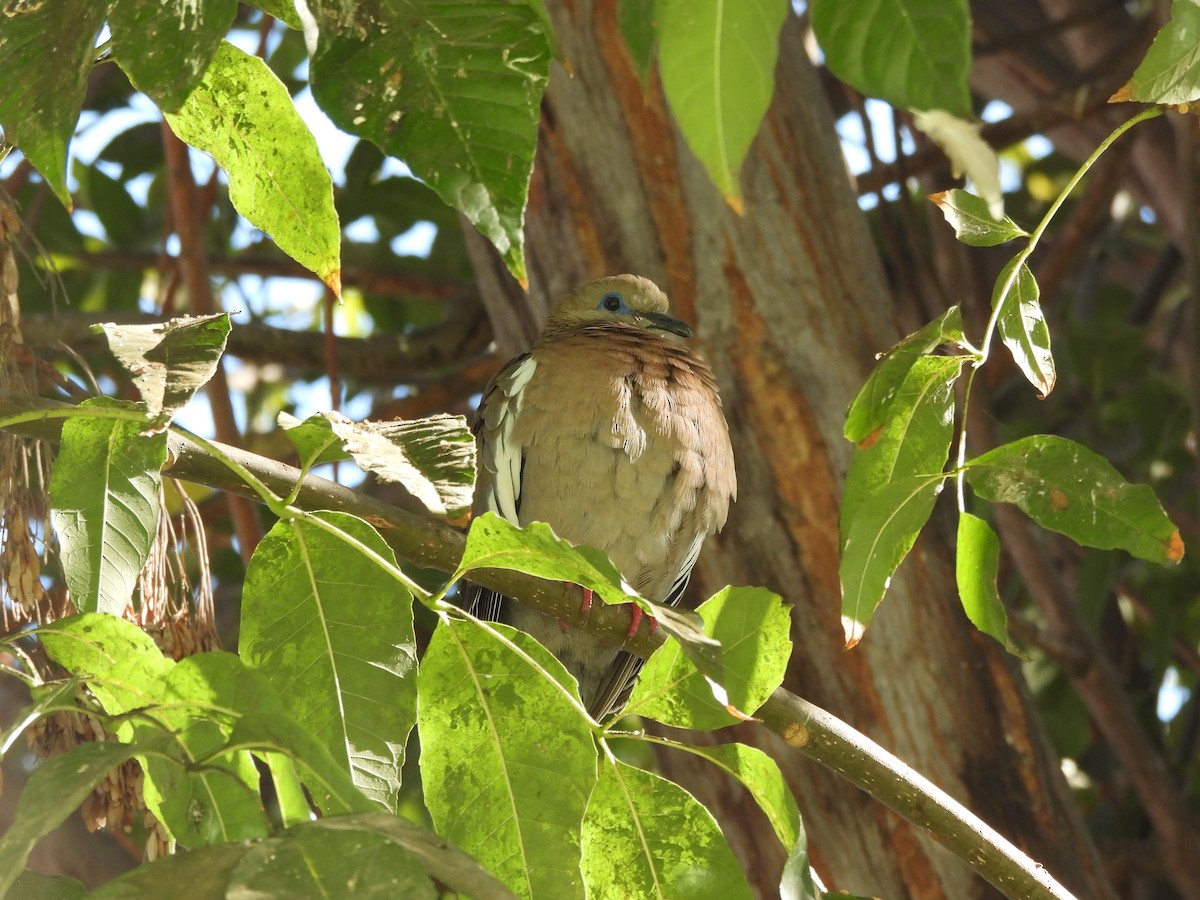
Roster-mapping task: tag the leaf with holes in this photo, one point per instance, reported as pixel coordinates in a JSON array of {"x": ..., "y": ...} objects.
[
  {"x": 453, "y": 89},
  {"x": 242, "y": 116}
]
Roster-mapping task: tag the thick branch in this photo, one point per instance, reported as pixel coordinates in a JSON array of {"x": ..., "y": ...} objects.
[
  {"x": 365, "y": 278},
  {"x": 385, "y": 359},
  {"x": 811, "y": 730}
]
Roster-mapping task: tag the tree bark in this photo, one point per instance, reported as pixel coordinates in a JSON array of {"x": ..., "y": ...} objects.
[{"x": 790, "y": 307}]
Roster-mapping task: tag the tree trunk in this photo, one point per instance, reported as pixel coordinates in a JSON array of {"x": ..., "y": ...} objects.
[{"x": 790, "y": 308}]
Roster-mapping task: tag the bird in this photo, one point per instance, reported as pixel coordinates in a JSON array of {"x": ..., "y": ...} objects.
[{"x": 610, "y": 430}]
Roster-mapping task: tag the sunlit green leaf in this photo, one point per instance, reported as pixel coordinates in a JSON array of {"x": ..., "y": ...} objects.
[
  {"x": 104, "y": 505},
  {"x": 243, "y": 117},
  {"x": 891, "y": 488},
  {"x": 977, "y": 561},
  {"x": 451, "y": 89},
  {"x": 753, "y": 627},
  {"x": 872, "y": 406},
  {"x": 507, "y": 761},
  {"x": 647, "y": 837},
  {"x": 1022, "y": 326},
  {"x": 169, "y": 361},
  {"x": 432, "y": 458},
  {"x": 1170, "y": 72},
  {"x": 972, "y": 223},
  {"x": 718, "y": 70},
  {"x": 760, "y": 775},
  {"x": 333, "y": 632},
  {"x": 1068, "y": 488}
]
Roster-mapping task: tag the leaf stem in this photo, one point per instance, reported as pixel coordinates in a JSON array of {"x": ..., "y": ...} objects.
[{"x": 1014, "y": 271}]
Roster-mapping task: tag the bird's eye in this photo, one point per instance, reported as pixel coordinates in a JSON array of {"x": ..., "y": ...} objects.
[{"x": 612, "y": 302}]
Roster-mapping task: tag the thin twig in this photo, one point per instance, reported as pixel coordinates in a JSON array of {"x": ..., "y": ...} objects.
[{"x": 189, "y": 226}]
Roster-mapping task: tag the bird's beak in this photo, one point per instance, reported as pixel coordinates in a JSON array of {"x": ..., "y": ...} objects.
[{"x": 660, "y": 322}]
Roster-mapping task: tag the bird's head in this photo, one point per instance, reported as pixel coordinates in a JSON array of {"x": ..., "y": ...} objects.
[{"x": 627, "y": 299}]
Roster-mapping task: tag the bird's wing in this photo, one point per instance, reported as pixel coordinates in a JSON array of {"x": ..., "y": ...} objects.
[{"x": 501, "y": 460}]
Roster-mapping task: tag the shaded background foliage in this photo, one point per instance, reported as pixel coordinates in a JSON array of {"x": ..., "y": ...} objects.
[{"x": 1117, "y": 274}]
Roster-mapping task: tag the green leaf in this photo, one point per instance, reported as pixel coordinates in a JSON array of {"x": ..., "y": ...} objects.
[
  {"x": 313, "y": 438},
  {"x": 47, "y": 49},
  {"x": 283, "y": 10},
  {"x": 753, "y": 627},
  {"x": 1170, "y": 73},
  {"x": 35, "y": 886},
  {"x": 203, "y": 697},
  {"x": 242, "y": 116},
  {"x": 169, "y": 361},
  {"x": 54, "y": 791},
  {"x": 333, "y": 790},
  {"x": 915, "y": 54},
  {"x": 1065, "y": 487},
  {"x": 977, "y": 561},
  {"x": 636, "y": 19},
  {"x": 195, "y": 700},
  {"x": 718, "y": 70},
  {"x": 760, "y": 775},
  {"x": 916, "y": 439},
  {"x": 452, "y": 89},
  {"x": 333, "y": 631},
  {"x": 646, "y": 837},
  {"x": 891, "y": 488},
  {"x": 494, "y": 543},
  {"x": 165, "y": 46},
  {"x": 1023, "y": 326},
  {"x": 797, "y": 882},
  {"x": 205, "y": 872},
  {"x": 972, "y": 223},
  {"x": 123, "y": 666},
  {"x": 370, "y": 855},
  {"x": 104, "y": 505},
  {"x": 507, "y": 760},
  {"x": 432, "y": 458},
  {"x": 872, "y": 406}
]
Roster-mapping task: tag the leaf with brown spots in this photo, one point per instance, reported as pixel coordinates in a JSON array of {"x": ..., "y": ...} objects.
[{"x": 1065, "y": 487}]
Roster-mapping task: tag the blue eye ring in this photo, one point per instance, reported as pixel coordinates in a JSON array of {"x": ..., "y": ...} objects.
[{"x": 612, "y": 301}]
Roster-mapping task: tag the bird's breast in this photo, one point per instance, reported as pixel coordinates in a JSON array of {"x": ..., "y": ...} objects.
[{"x": 625, "y": 449}]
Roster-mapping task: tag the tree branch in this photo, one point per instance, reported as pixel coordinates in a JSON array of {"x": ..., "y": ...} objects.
[
  {"x": 452, "y": 344},
  {"x": 366, "y": 278}
]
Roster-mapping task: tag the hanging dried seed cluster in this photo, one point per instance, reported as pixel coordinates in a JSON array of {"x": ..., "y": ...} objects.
[
  {"x": 173, "y": 611},
  {"x": 23, "y": 467},
  {"x": 174, "y": 608}
]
